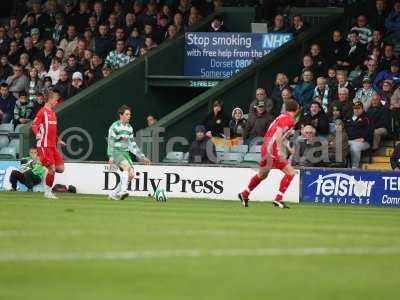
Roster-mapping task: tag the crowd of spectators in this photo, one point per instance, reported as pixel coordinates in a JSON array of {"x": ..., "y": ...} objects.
[
  {"x": 68, "y": 45},
  {"x": 349, "y": 85}
]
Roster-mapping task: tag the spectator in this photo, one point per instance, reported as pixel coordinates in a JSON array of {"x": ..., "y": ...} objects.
[
  {"x": 394, "y": 107},
  {"x": 36, "y": 40},
  {"x": 39, "y": 66},
  {"x": 149, "y": 43},
  {"x": 24, "y": 62},
  {"x": 7, "y": 104},
  {"x": 343, "y": 82},
  {"x": 96, "y": 65},
  {"x": 23, "y": 110},
  {"x": 202, "y": 148},
  {"x": 298, "y": 25},
  {"x": 34, "y": 85},
  {"x": 70, "y": 42},
  {"x": 47, "y": 85},
  {"x": 306, "y": 154},
  {"x": 337, "y": 50},
  {"x": 395, "y": 158},
  {"x": 342, "y": 108},
  {"x": 73, "y": 65},
  {"x": 178, "y": 22},
  {"x": 47, "y": 53},
  {"x": 117, "y": 58},
  {"x": 338, "y": 145},
  {"x": 171, "y": 33},
  {"x": 358, "y": 130},
  {"x": 13, "y": 53},
  {"x": 38, "y": 103},
  {"x": 304, "y": 91},
  {"x": 98, "y": 12},
  {"x": 376, "y": 41},
  {"x": 363, "y": 29},
  {"x": 356, "y": 54},
  {"x": 261, "y": 94},
  {"x": 31, "y": 172},
  {"x": 63, "y": 84},
  {"x": 106, "y": 71},
  {"x": 216, "y": 121},
  {"x": 386, "y": 93},
  {"x": 364, "y": 95},
  {"x": 387, "y": 57},
  {"x": 279, "y": 25},
  {"x": 4, "y": 41},
  {"x": 5, "y": 68},
  {"x": 307, "y": 64},
  {"x": 59, "y": 29},
  {"x": 29, "y": 49},
  {"x": 55, "y": 70},
  {"x": 286, "y": 97},
  {"x": 392, "y": 22},
  {"x": 331, "y": 81},
  {"x": 317, "y": 118},
  {"x": 217, "y": 25},
  {"x": 18, "y": 81},
  {"x": 281, "y": 83},
  {"x": 319, "y": 62},
  {"x": 378, "y": 15},
  {"x": 380, "y": 120},
  {"x": 60, "y": 55},
  {"x": 323, "y": 91},
  {"x": 135, "y": 41},
  {"x": 89, "y": 39},
  {"x": 238, "y": 123},
  {"x": 76, "y": 85},
  {"x": 81, "y": 18},
  {"x": 151, "y": 120},
  {"x": 257, "y": 123},
  {"x": 103, "y": 43},
  {"x": 393, "y": 75},
  {"x": 371, "y": 73}
]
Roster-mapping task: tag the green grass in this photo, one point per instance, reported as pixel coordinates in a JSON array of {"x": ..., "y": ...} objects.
[{"x": 88, "y": 247}]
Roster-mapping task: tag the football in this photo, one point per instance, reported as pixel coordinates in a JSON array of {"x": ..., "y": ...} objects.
[{"x": 160, "y": 195}]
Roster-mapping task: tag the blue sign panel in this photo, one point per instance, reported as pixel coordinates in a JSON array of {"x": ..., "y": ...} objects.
[
  {"x": 351, "y": 187},
  {"x": 220, "y": 55}
]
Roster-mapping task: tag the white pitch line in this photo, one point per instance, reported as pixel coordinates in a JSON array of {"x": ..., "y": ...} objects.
[{"x": 159, "y": 254}]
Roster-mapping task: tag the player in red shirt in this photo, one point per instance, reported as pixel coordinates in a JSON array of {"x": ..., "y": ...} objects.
[
  {"x": 272, "y": 156},
  {"x": 44, "y": 127}
]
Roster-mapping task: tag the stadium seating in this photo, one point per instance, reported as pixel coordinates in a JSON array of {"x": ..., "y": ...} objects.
[
  {"x": 232, "y": 158},
  {"x": 6, "y": 128},
  {"x": 8, "y": 153},
  {"x": 174, "y": 157},
  {"x": 4, "y": 141}
]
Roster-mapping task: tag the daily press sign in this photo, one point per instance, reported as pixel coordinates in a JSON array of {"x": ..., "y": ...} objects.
[
  {"x": 220, "y": 55},
  {"x": 351, "y": 187}
]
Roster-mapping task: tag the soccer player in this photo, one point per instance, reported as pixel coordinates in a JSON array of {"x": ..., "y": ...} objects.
[
  {"x": 272, "y": 155},
  {"x": 120, "y": 143},
  {"x": 44, "y": 127}
]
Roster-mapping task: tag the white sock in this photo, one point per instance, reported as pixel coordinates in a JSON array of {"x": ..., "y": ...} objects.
[{"x": 124, "y": 181}]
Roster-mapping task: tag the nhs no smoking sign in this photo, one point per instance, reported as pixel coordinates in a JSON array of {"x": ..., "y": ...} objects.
[{"x": 220, "y": 55}]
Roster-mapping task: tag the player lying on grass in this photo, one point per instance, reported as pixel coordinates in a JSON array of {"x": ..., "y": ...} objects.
[
  {"x": 31, "y": 172},
  {"x": 120, "y": 143},
  {"x": 44, "y": 127},
  {"x": 273, "y": 155}
]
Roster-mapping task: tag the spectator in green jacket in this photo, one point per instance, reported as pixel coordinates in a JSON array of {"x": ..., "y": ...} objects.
[{"x": 31, "y": 172}]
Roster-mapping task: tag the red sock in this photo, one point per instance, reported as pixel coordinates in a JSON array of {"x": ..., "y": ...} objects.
[
  {"x": 49, "y": 179},
  {"x": 285, "y": 182},
  {"x": 254, "y": 181}
]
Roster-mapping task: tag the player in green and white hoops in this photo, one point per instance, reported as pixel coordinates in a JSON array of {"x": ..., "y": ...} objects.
[{"x": 120, "y": 143}]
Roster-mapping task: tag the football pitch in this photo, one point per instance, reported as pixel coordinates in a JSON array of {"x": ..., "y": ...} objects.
[{"x": 88, "y": 247}]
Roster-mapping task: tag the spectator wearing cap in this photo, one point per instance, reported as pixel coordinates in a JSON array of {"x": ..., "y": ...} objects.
[
  {"x": 7, "y": 103},
  {"x": 304, "y": 91},
  {"x": 371, "y": 72},
  {"x": 364, "y": 94},
  {"x": 217, "y": 25},
  {"x": 317, "y": 118},
  {"x": 258, "y": 122},
  {"x": 76, "y": 85},
  {"x": 18, "y": 81},
  {"x": 216, "y": 121},
  {"x": 358, "y": 129},
  {"x": 5, "y": 68},
  {"x": 380, "y": 120},
  {"x": 392, "y": 22},
  {"x": 338, "y": 144},
  {"x": 23, "y": 110},
  {"x": 238, "y": 123},
  {"x": 103, "y": 43},
  {"x": 324, "y": 92},
  {"x": 118, "y": 58},
  {"x": 59, "y": 29},
  {"x": 393, "y": 75},
  {"x": 63, "y": 84},
  {"x": 342, "y": 108},
  {"x": 202, "y": 150},
  {"x": 395, "y": 158},
  {"x": 261, "y": 94},
  {"x": 363, "y": 29},
  {"x": 70, "y": 42}
]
